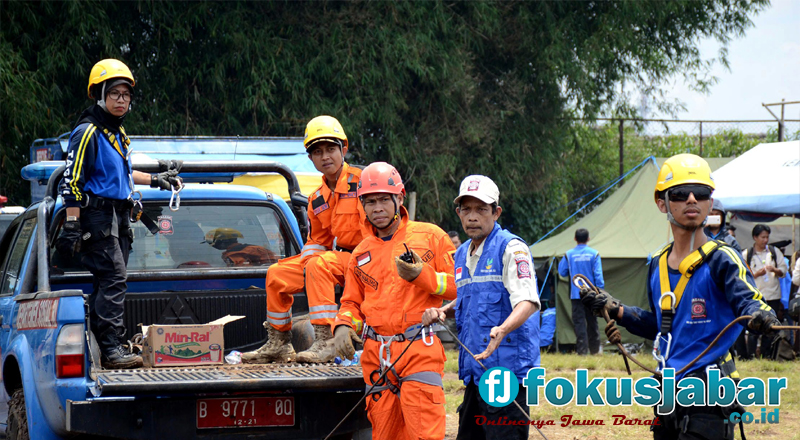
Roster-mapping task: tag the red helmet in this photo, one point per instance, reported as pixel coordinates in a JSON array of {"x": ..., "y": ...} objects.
[{"x": 380, "y": 177}]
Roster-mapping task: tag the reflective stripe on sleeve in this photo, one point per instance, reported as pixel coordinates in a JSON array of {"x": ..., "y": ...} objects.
[{"x": 441, "y": 283}]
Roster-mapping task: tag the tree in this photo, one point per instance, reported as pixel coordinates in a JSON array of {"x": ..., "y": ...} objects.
[{"x": 439, "y": 89}]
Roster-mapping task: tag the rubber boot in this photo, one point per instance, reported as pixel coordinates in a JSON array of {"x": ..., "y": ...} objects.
[
  {"x": 277, "y": 349},
  {"x": 113, "y": 356},
  {"x": 322, "y": 350}
]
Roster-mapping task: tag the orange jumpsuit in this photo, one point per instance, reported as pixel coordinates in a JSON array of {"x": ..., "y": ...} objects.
[
  {"x": 375, "y": 295},
  {"x": 334, "y": 223}
]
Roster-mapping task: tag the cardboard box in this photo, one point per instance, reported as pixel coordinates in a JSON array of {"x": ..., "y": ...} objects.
[{"x": 184, "y": 345}]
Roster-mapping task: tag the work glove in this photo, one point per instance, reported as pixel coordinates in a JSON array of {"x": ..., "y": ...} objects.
[
  {"x": 343, "y": 338},
  {"x": 68, "y": 242},
  {"x": 409, "y": 271},
  {"x": 168, "y": 165},
  {"x": 596, "y": 302},
  {"x": 762, "y": 322},
  {"x": 166, "y": 180},
  {"x": 612, "y": 332}
]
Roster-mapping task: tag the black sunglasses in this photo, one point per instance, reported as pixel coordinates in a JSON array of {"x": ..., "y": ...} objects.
[{"x": 681, "y": 193}]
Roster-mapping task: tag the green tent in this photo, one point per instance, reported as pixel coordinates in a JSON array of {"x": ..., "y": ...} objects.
[{"x": 625, "y": 228}]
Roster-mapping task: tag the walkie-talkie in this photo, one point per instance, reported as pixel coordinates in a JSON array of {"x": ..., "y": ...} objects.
[{"x": 408, "y": 257}]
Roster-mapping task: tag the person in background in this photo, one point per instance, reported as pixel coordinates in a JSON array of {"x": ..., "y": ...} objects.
[
  {"x": 716, "y": 229},
  {"x": 585, "y": 261},
  {"x": 455, "y": 238},
  {"x": 768, "y": 267}
]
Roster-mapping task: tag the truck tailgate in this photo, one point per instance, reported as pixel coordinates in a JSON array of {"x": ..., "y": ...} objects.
[{"x": 229, "y": 378}]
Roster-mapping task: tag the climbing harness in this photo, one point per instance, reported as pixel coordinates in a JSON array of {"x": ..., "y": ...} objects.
[{"x": 382, "y": 378}]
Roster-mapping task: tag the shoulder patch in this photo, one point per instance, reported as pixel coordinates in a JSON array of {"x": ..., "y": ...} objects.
[
  {"x": 523, "y": 269},
  {"x": 319, "y": 204}
]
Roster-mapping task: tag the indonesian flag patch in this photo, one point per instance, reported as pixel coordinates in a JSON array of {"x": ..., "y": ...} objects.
[
  {"x": 458, "y": 273},
  {"x": 363, "y": 259}
]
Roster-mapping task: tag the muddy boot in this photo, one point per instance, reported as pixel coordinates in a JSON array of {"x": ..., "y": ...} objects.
[
  {"x": 113, "y": 355},
  {"x": 322, "y": 350},
  {"x": 277, "y": 349}
]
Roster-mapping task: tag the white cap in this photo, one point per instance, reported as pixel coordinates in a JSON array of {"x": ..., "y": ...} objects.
[{"x": 480, "y": 187}]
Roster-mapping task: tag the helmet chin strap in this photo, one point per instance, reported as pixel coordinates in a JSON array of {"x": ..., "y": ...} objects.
[
  {"x": 101, "y": 101},
  {"x": 672, "y": 220}
]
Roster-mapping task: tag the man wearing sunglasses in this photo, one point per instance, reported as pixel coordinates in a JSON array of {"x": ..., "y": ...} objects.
[{"x": 695, "y": 287}]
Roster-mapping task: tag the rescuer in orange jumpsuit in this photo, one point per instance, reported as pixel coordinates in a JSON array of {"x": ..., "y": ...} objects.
[
  {"x": 334, "y": 216},
  {"x": 384, "y": 298}
]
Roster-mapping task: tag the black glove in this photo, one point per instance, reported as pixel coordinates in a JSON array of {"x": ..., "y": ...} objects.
[
  {"x": 597, "y": 302},
  {"x": 168, "y": 165},
  {"x": 166, "y": 180},
  {"x": 762, "y": 322},
  {"x": 68, "y": 242}
]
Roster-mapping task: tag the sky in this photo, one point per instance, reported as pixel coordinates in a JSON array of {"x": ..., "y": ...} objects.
[{"x": 764, "y": 68}]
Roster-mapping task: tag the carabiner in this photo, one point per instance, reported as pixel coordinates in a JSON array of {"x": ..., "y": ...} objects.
[
  {"x": 175, "y": 199},
  {"x": 661, "y": 358},
  {"x": 430, "y": 333},
  {"x": 580, "y": 283},
  {"x": 136, "y": 208}
]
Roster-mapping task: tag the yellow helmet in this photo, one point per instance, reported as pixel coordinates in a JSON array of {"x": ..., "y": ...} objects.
[
  {"x": 222, "y": 234},
  {"x": 107, "y": 69},
  {"x": 324, "y": 128},
  {"x": 682, "y": 169}
]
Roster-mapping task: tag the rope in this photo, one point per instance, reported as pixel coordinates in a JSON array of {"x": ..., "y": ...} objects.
[
  {"x": 622, "y": 350},
  {"x": 627, "y": 355},
  {"x": 455, "y": 338}
]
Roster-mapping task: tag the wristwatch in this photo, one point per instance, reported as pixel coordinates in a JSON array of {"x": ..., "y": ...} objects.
[{"x": 72, "y": 218}]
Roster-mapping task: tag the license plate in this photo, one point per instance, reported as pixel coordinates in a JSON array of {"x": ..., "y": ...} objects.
[{"x": 245, "y": 412}]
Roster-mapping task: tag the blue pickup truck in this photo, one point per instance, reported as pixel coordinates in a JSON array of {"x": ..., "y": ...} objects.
[{"x": 51, "y": 375}]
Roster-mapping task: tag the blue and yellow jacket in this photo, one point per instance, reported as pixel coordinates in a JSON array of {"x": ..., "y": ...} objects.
[
  {"x": 720, "y": 289},
  {"x": 98, "y": 163}
]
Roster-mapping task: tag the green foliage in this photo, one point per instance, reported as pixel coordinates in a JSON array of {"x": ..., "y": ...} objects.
[{"x": 439, "y": 89}]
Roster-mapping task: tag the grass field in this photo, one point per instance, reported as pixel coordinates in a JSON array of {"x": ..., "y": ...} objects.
[{"x": 612, "y": 365}]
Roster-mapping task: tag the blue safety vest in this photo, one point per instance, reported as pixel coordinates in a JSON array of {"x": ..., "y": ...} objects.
[{"x": 483, "y": 302}]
